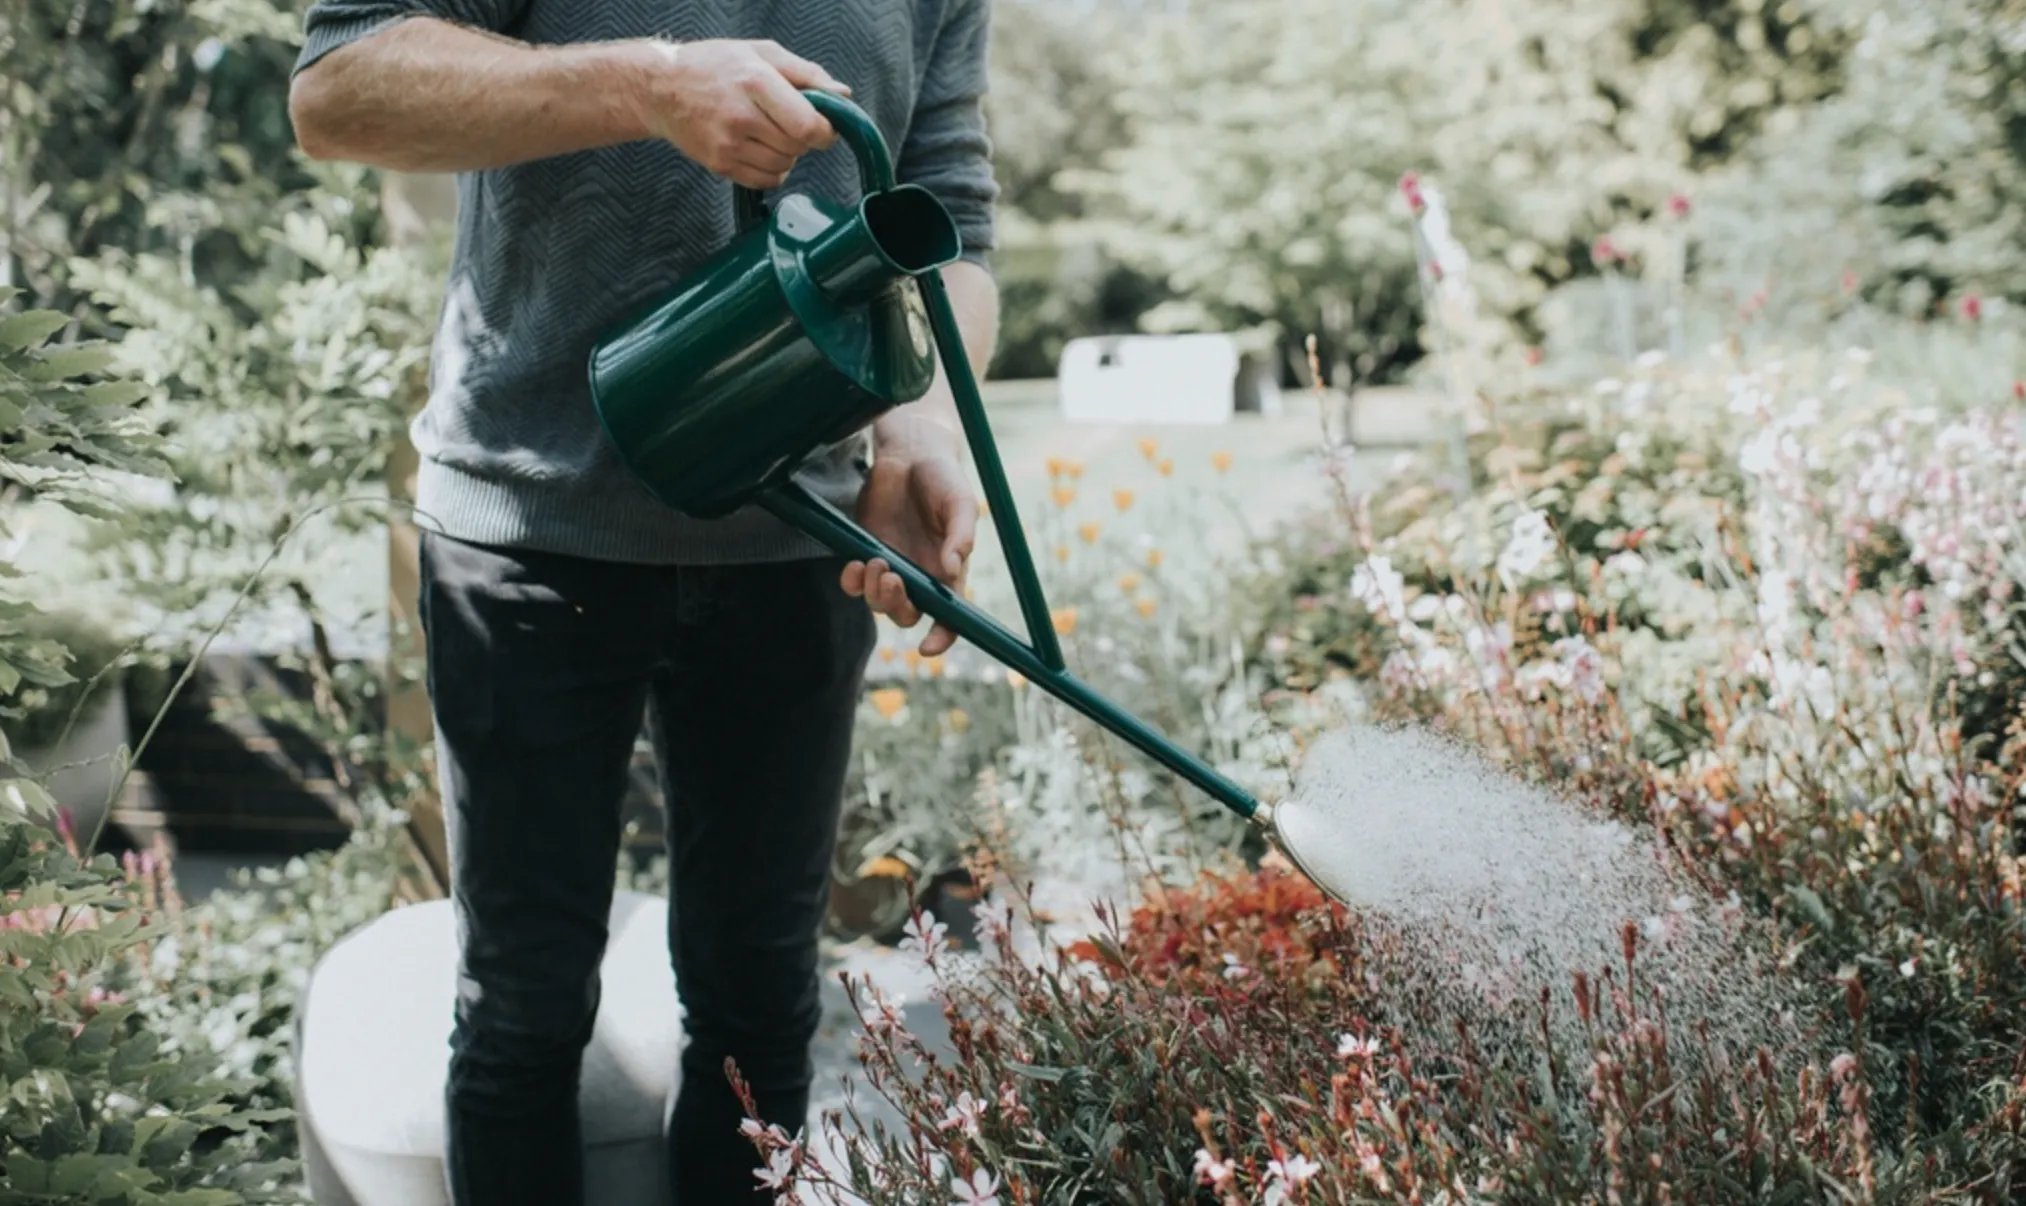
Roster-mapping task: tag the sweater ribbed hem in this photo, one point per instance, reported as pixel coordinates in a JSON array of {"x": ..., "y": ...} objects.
[{"x": 625, "y": 525}]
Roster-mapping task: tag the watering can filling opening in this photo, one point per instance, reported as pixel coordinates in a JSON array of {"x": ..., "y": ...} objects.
[{"x": 911, "y": 229}]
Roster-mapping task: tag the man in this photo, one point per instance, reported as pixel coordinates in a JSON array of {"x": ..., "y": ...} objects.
[{"x": 594, "y": 141}]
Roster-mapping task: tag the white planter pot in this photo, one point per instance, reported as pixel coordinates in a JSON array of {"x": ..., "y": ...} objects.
[{"x": 372, "y": 1053}]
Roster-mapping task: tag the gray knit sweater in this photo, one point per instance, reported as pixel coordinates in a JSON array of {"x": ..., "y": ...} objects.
[{"x": 550, "y": 254}]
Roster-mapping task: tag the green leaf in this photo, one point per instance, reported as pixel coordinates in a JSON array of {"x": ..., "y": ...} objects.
[
  {"x": 29, "y": 329},
  {"x": 200, "y": 1197},
  {"x": 10, "y": 677},
  {"x": 73, "y": 1174},
  {"x": 27, "y": 797},
  {"x": 114, "y": 393},
  {"x": 64, "y": 363},
  {"x": 1812, "y": 905}
]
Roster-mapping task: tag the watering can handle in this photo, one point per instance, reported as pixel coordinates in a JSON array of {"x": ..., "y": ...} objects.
[{"x": 858, "y": 131}]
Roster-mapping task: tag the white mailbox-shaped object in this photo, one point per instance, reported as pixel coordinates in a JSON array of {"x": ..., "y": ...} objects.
[{"x": 1186, "y": 379}]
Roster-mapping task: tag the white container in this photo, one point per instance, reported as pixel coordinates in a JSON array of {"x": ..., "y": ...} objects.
[
  {"x": 1160, "y": 379},
  {"x": 372, "y": 1055}
]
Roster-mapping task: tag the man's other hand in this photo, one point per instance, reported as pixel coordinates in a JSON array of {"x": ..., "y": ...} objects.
[{"x": 924, "y": 507}]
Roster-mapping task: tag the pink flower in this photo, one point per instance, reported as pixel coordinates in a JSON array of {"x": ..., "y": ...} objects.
[
  {"x": 1410, "y": 188},
  {"x": 1604, "y": 251},
  {"x": 1843, "y": 1066},
  {"x": 754, "y": 1129},
  {"x": 1973, "y": 308},
  {"x": 981, "y": 1190},
  {"x": 1678, "y": 205}
]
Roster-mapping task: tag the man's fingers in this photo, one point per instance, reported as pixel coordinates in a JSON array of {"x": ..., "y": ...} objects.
[
  {"x": 746, "y": 177},
  {"x": 767, "y": 144},
  {"x": 801, "y": 72},
  {"x": 939, "y": 641},
  {"x": 853, "y": 580},
  {"x": 894, "y": 601},
  {"x": 960, "y": 533},
  {"x": 793, "y": 114},
  {"x": 884, "y": 592}
]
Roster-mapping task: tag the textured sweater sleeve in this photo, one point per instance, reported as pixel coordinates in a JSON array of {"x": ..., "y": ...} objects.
[
  {"x": 334, "y": 23},
  {"x": 947, "y": 150}
]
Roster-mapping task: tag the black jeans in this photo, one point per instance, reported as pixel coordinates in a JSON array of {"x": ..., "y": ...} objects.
[{"x": 540, "y": 670}]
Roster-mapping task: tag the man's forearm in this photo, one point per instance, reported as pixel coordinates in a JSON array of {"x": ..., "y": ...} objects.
[
  {"x": 931, "y": 425},
  {"x": 430, "y": 96}
]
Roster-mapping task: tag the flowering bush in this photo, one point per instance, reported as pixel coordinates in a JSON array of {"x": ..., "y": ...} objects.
[
  {"x": 1238, "y": 1042},
  {"x": 1765, "y": 608}
]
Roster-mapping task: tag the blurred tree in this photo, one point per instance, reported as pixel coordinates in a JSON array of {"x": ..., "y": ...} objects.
[
  {"x": 1266, "y": 141},
  {"x": 145, "y": 125},
  {"x": 1905, "y": 188}
]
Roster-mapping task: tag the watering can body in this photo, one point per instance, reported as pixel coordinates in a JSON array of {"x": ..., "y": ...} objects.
[
  {"x": 800, "y": 333},
  {"x": 818, "y": 318}
]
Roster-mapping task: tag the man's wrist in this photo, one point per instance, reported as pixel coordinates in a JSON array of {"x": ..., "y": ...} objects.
[
  {"x": 642, "y": 68},
  {"x": 905, "y": 436}
]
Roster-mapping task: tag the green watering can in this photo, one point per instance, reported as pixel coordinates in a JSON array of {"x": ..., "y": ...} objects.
[{"x": 816, "y": 320}]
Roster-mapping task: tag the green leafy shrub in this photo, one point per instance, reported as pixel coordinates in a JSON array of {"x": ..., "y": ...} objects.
[{"x": 98, "y": 1111}]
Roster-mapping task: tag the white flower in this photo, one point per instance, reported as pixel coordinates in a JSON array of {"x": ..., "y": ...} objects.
[
  {"x": 1907, "y": 969},
  {"x": 207, "y": 54},
  {"x": 981, "y": 1190},
  {"x": 1776, "y": 601},
  {"x": 1584, "y": 665},
  {"x": 885, "y": 1013},
  {"x": 1627, "y": 564},
  {"x": 1233, "y": 969},
  {"x": 925, "y": 936},
  {"x": 780, "y": 1170},
  {"x": 964, "y": 1115},
  {"x": 1380, "y": 589},
  {"x": 1282, "y": 1176},
  {"x": 1350, "y": 1046},
  {"x": 995, "y": 919},
  {"x": 1532, "y": 542},
  {"x": 1212, "y": 1171}
]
